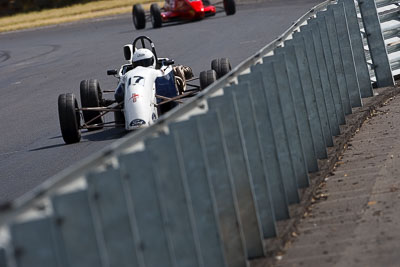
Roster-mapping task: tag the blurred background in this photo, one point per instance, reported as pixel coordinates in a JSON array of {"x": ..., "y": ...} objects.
[{"x": 10, "y": 7}]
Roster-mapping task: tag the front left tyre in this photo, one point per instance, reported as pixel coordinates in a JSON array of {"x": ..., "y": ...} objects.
[
  {"x": 138, "y": 17},
  {"x": 69, "y": 118},
  {"x": 155, "y": 14}
]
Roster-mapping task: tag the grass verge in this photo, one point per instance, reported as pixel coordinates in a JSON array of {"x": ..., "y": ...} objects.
[{"x": 68, "y": 14}]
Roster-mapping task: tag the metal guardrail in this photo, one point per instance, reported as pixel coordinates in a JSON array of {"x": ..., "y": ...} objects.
[
  {"x": 382, "y": 14},
  {"x": 105, "y": 156},
  {"x": 207, "y": 183}
]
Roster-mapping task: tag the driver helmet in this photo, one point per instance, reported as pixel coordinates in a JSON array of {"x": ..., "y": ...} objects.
[{"x": 143, "y": 57}]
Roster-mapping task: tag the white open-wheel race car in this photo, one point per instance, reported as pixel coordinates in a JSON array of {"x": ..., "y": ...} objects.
[{"x": 148, "y": 87}]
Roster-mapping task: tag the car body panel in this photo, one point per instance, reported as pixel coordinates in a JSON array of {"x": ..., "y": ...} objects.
[
  {"x": 165, "y": 86},
  {"x": 186, "y": 10},
  {"x": 139, "y": 98}
]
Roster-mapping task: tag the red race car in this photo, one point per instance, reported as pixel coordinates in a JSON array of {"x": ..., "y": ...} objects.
[{"x": 177, "y": 10}]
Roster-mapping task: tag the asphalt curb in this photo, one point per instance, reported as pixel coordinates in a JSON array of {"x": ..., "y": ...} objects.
[{"x": 287, "y": 229}]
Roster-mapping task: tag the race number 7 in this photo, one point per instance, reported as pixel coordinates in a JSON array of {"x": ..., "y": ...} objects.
[{"x": 137, "y": 79}]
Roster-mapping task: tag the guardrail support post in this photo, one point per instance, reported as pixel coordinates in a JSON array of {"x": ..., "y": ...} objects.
[
  {"x": 309, "y": 96},
  {"x": 306, "y": 38},
  {"x": 240, "y": 96},
  {"x": 175, "y": 201},
  {"x": 220, "y": 177},
  {"x": 332, "y": 77},
  {"x": 299, "y": 106},
  {"x": 289, "y": 118},
  {"x": 357, "y": 46},
  {"x": 326, "y": 88},
  {"x": 34, "y": 243},
  {"x": 240, "y": 170},
  {"x": 281, "y": 139},
  {"x": 145, "y": 209},
  {"x": 3, "y": 258},
  {"x": 106, "y": 191},
  {"x": 202, "y": 196},
  {"x": 267, "y": 141},
  {"x": 376, "y": 43},
  {"x": 337, "y": 59},
  {"x": 343, "y": 38},
  {"x": 74, "y": 216}
]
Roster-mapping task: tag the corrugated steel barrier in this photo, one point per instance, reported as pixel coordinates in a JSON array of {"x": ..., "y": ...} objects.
[{"x": 208, "y": 183}]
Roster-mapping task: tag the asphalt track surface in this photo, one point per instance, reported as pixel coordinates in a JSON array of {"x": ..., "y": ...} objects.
[{"x": 38, "y": 65}]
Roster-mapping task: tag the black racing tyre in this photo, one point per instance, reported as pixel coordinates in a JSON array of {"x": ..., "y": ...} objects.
[
  {"x": 91, "y": 97},
  {"x": 230, "y": 7},
  {"x": 119, "y": 118},
  {"x": 206, "y": 78},
  {"x": 138, "y": 17},
  {"x": 155, "y": 15},
  {"x": 69, "y": 117},
  {"x": 221, "y": 66}
]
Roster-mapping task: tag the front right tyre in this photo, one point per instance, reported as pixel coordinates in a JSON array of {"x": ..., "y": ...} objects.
[
  {"x": 69, "y": 118},
  {"x": 119, "y": 119},
  {"x": 206, "y": 78},
  {"x": 155, "y": 15},
  {"x": 91, "y": 97}
]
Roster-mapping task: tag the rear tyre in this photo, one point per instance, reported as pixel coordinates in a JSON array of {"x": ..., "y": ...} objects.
[
  {"x": 221, "y": 66},
  {"x": 230, "y": 7},
  {"x": 69, "y": 118},
  {"x": 206, "y": 78},
  {"x": 155, "y": 15},
  {"x": 91, "y": 96},
  {"x": 138, "y": 17}
]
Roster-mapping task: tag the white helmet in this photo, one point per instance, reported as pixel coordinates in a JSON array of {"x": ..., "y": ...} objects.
[{"x": 143, "y": 57}]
